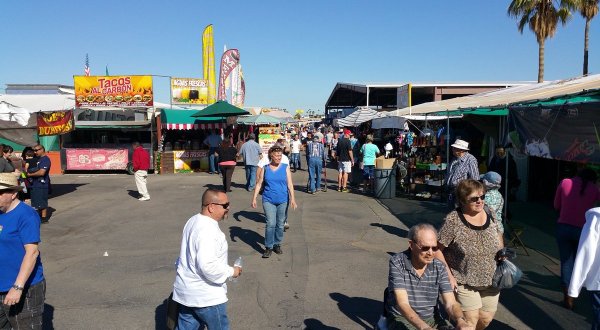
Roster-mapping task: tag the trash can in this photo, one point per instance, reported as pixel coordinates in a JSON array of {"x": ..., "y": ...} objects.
[{"x": 385, "y": 183}]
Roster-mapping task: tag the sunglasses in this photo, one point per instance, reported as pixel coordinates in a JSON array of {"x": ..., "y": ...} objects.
[
  {"x": 476, "y": 199},
  {"x": 427, "y": 248},
  {"x": 223, "y": 205}
]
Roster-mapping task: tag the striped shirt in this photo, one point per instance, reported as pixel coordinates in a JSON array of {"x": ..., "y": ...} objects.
[
  {"x": 422, "y": 291},
  {"x": 462, "y": 168}
]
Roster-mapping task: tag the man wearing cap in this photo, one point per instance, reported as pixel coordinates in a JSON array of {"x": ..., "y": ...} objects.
[
  {"x": 315, "y": 152},
  {"x": 22, "y": 283},
  {"x": 345, "y": 158},
  {"x": 463, "y": 167},
  {"x": 40, "y": 184},
  {"x": 252, "y": 153}
]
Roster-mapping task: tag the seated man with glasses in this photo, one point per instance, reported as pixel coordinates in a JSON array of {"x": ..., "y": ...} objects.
[{"x": 415, "y": 282}]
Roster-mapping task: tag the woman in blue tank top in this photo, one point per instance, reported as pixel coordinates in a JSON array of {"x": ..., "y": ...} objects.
[{"x": 279, "y": 189}]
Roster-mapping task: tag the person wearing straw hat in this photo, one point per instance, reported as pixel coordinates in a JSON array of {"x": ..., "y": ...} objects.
[
  {"x": 463, "y": 167},
  {"x": 22, "y": 283}
]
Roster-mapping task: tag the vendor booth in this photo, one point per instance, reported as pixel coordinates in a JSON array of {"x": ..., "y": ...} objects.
[{"x": 181, "y": 146}]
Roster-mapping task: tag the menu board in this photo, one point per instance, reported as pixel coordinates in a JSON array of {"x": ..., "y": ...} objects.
[
  {"x": 189, "y": 91},
  {"x": 97, "y": 159},
  {"x": 113, "y": 91}
]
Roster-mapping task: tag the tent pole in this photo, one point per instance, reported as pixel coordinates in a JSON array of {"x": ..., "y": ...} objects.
[
  {"x": 447, "y": 142},
  {"x": 506, "y": 182}
]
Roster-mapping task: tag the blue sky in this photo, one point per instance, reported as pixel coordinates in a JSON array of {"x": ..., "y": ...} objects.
[{"x": 293, "y": 52}]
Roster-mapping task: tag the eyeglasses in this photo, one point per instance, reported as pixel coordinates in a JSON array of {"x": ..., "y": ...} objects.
[
  {"x": 224, "y": 205},
  {"x": 427, "y": 248},
  {"x": 475, "y": 199}
]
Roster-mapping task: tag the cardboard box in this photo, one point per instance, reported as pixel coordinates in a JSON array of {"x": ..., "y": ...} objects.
[{"x": 381, "y": 162}]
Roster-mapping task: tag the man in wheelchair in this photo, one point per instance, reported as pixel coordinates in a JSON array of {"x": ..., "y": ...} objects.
[{"x": 415, "y": 282}]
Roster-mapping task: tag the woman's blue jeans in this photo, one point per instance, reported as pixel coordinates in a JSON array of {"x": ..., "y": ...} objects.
[
  {"x": 212, "y": 317},
  {"x": 567, "y": 238},
  {"x": 276, "y": 215}
]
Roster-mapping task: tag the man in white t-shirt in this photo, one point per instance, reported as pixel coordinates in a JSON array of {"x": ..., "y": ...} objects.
[
  {"x": 202, "y": 270},
  {"x": 295, "y": 155}
]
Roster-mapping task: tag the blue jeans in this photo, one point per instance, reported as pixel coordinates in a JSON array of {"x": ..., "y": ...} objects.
[
  {"x": 595, "y": 310},
  {"x": 567, "y": 238},
  {"x": 213, "y": 317},
  {"x": 295, "y": 161},
  {"x": 213, "y": 161},
  {"x": 315, "y": 164},
  {"x": 250, "y": 176},
  {"x": 276, "y": 215}
]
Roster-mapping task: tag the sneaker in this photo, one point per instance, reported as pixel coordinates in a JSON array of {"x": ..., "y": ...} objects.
[
  {"x": 345, "y": 190},
  {"x": 277, "y": 249},
  {"x": 286, "y": 226},
  {"x": 267, "y": 253},
  {"x": 340, "y": 189},
  {"x": 44, "y": 220},
  {"x": 144, "y": 199}
]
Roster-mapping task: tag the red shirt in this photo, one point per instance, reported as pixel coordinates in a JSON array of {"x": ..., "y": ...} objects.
[
  {"x": 141, "y": 159},
  {"x": 571, "y": 204}
]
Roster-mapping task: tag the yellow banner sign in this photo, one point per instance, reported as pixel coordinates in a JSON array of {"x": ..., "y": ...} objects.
[
  {"x": 189, "y": 91},
  {"x": 113, "y": 91}
]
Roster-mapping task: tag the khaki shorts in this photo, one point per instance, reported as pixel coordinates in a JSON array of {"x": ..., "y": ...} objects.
[{"x": 481, "y": 297}]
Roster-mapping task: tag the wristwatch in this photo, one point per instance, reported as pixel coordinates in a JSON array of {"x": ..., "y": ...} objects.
[{"x": 17, "y": 287}]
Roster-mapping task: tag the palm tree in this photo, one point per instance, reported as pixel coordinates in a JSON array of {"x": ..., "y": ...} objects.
[
  {"x": 542, "y": 16},
  {"x": 588, "y": 9}
]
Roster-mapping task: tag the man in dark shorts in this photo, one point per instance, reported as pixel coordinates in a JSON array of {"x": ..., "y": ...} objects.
[
  {"x": 345, "y": 159},
  {"x": 40, "y": 185}
]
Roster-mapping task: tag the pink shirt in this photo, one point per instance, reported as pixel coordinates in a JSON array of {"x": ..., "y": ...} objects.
[{"x": 571, "y": 204}]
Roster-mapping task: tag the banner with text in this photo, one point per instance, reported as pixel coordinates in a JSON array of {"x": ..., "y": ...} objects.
[
  {"x": 184, "y": 160},
  {"x": 97, "y": 159},
  {"x": 564, "y": 132},
  {"x": 113, "y": 91},
  {"x": 55, "y": 123},
  {"x": 267, "y": 137},
  {"x": 229, "y": 61},
  {"x": 189, "y": 91}
]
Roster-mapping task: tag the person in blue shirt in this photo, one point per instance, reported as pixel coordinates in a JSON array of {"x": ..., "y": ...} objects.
[
  {"x": 279, "y": 189},
  {"x": 22, "y": 283},
  {"x": 40, "y": 185}
]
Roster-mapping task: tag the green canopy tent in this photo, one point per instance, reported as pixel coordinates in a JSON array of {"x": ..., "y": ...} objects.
[
  {"x": 221, "y": 109},
  {"x": 172, "y": 119}
]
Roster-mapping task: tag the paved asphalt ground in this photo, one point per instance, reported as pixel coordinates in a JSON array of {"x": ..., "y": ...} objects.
[{"x": 331, "y": 274}]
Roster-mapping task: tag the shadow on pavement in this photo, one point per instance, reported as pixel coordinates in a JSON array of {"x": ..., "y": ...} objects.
[
  {"x": 314, "y": 324},
  {"x": 59, "y": 189},
  {"x": 160, "y": 316},
  {"x": 518, "y": 302},
  {"x": 133, "y": 193},
  {"x": 364, "y": 311},
  {"x": 391, "y": 229},
  {"x": 255, "y": 216},
  {"x": 247, "y": 236},
  {"x": 48, "y": 317}
]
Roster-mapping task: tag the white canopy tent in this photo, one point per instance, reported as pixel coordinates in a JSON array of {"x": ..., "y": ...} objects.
[
  {"x": 359, "y": 116},
  {"x": 504, "y": 97}
]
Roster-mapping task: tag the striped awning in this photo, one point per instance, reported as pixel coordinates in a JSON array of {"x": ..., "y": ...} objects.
[
  {"x": 172, "y": 119},
  {"x": 194, "y": 126}
]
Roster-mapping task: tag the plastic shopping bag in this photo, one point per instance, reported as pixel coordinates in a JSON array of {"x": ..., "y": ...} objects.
[{"x": 507, "y": 275}]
